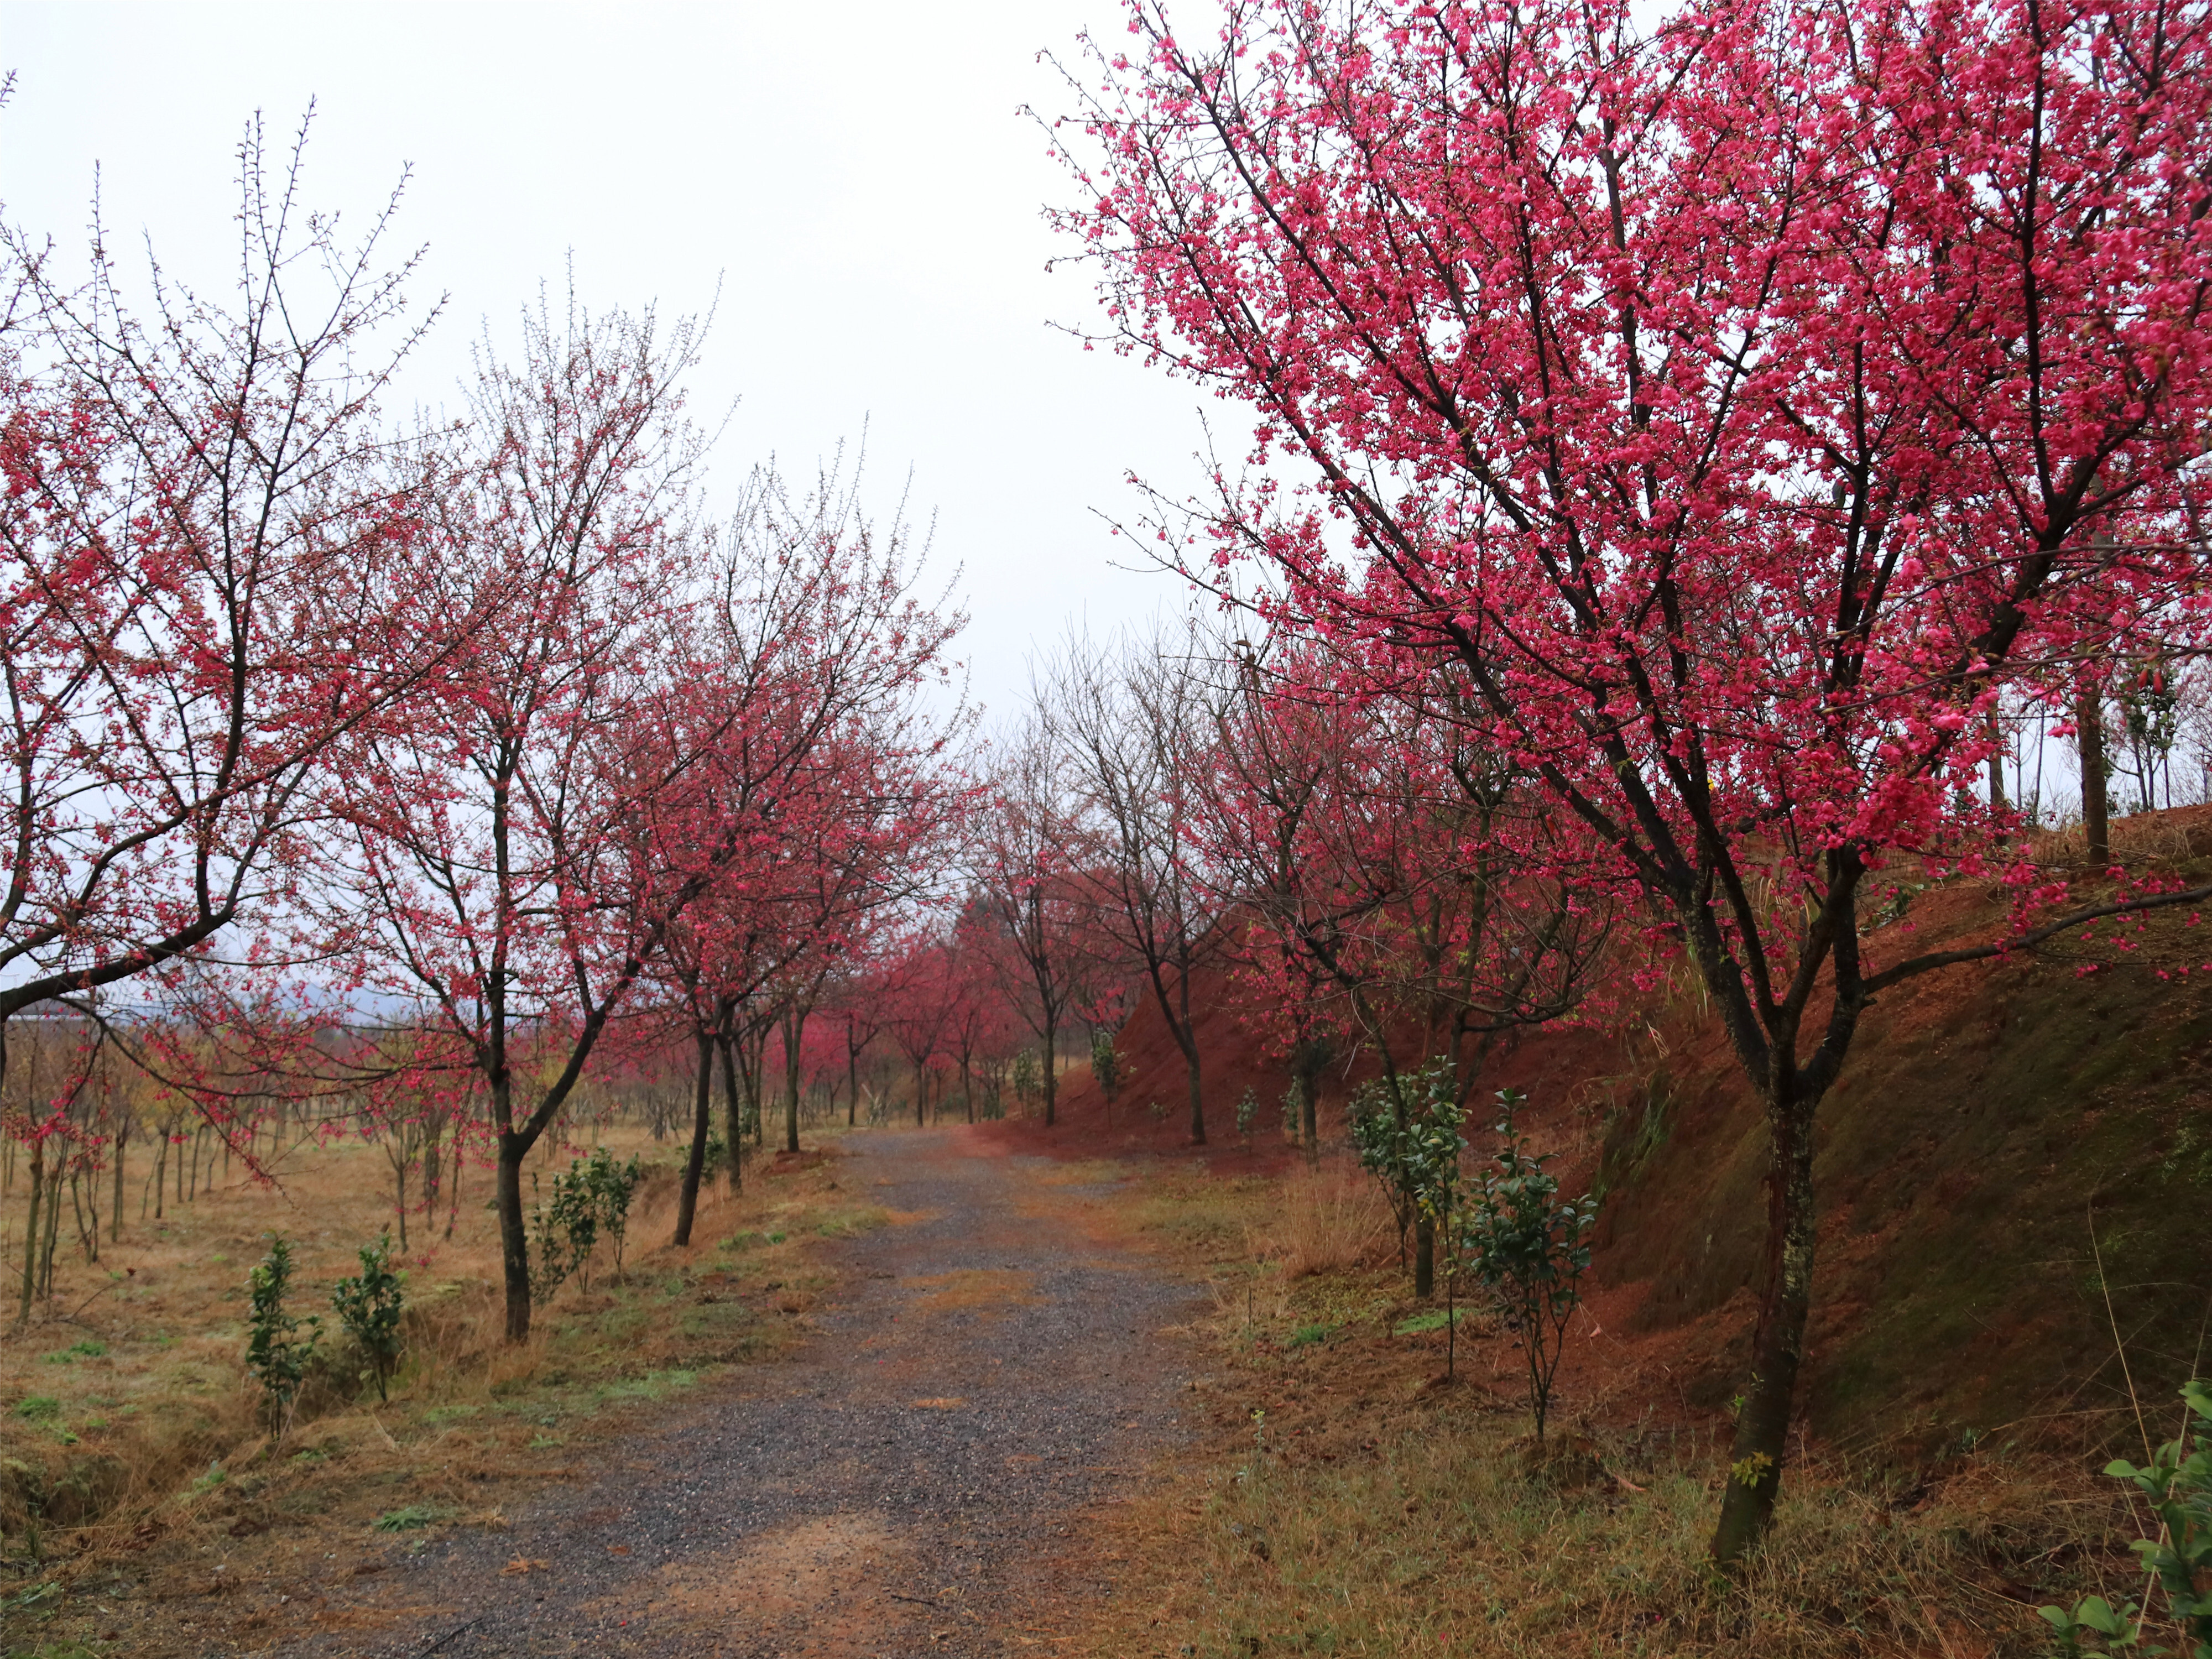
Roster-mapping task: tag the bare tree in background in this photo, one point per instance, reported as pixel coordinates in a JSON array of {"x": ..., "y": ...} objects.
[
  {"x": 1022, "y": 870},
  {"x": 1137, "y": 722}
]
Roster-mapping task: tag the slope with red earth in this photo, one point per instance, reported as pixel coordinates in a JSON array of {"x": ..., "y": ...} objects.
[{"x": 2015, "y": 1172}]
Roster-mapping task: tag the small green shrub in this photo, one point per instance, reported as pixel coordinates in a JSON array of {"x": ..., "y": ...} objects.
[
  {"x": 87, "y": 1349},
  {"x": 1527, "y": 1251},
  {"x": 1408, "y": 1140},
  {"x": 2177, "y": 1480},
  {"x": 277, "y": 1354},
  {"x": 593, "y": 1198},
  {"x": 1307, "y": 1335},
  {"x": 1106, "y": 1068},
  {"x": 561, "y": 1234},
  {"x": 38, "y": 1407},
  {"x": 611, "y": 1186},
  {"x": 369, "y": 1307},
  {"x": 1247, "y": 1109}
]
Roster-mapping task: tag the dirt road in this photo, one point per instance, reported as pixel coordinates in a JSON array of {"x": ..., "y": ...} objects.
[{"x": 910, "y": 1484}]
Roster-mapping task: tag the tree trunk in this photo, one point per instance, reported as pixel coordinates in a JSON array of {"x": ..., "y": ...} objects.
[
  {"x": 921, "y": 1095},
  {"x": 1996, "y": 764},
  {"x": 795, "y": 1027},
  {"x": 514, "y": 1240},
  {"x": 1188, "y": 1040},
  {"x": 53, "y": 1230},
  {"x": 703, "y": 1111},
  {"x": 1762, "y": 1428},
  {"x": 1425, "y": 1257},
  {"x": 87, "y": 1237},
  {"x": 115, "y": 1226},
  {"x": 1051, "y": 1071},
  {"x": 399, "y": 1185},
  {"x": 1306, "y": 1076},
  {"x": 733, "y": 1109},
  {"x": 31, "y": 1231},
  {"x": 2089, "y": 721}
]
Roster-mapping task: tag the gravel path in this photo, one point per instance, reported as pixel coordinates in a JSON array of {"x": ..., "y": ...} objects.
[{"x": 908, "y": 1485}]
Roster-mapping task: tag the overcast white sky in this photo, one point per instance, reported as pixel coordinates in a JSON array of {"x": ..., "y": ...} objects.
[{"x": 857, "y": 176}]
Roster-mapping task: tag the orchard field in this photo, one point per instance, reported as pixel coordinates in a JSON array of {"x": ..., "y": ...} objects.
[{"x": 1592, "y": 1037}]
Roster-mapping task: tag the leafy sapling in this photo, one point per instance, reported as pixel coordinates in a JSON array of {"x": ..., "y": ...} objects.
[
  {"x": 369, "y": 1308},
  {"x": 2177, "y": 1480},
  {"x": 563, "y": 1235},
  {"x": 1406, "y": 1130},
  {"x": 1527, "y": 1250},
  {"x": 611, "y": 1186},
  {"x": 277, "y": 1355},
  {"x": 1106, "y": 1068}
]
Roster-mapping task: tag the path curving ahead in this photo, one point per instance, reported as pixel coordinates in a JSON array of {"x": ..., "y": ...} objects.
[{"x": 907, "y": 1485}]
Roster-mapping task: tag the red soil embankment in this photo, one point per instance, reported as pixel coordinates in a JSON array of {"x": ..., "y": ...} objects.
[{"x": 2014, "y": 1171}]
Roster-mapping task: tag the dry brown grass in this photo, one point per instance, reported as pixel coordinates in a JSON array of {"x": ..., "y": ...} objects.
[
  {"x": 1347, "y": 1501},
  {"x": 128, "y": 1425},
  {"x": 1329, "y": 1219}
]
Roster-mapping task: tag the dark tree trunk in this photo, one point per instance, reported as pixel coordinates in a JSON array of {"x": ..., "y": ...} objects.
[
  {"x": 31, "y": 1231},
  {"x": 852, "y": 1076},
  {"x": 1186, "y": 1040},
  {"x": 702, "y": 1104},
  {"x": 795, "y": 1027},
  {"x": 1762, "y": 1429},
  {"x": 514, "y": 1240},
  {"x": 2089, "y": 720},
  {"x": 115, "y": 1226},
  {"x": 1996, "y": 764},
  {"x": 733, "y": 1109},
  {"x": 1425, "y": 1257},
  {"x": 1051, "y": 1073}
]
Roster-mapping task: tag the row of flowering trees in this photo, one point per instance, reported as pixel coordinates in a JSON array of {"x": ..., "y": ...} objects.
[
  {"x": 1727, "y": 408},
  {"x": 434, "y": 765}
]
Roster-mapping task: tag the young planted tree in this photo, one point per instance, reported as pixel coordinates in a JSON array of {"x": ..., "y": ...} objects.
[{"x": 1734, "y": 404}]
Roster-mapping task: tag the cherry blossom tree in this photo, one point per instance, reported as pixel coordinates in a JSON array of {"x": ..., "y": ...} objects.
[
  {"x": 213, "y": 576},
  {"x": 1737, "y": 402},
  {"x": 521, "y": 850}
]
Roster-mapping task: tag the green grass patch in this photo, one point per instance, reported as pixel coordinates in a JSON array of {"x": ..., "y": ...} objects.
[
  {"x": 1435, "y": 1320},
  {"x": 414, "y": 1517}
]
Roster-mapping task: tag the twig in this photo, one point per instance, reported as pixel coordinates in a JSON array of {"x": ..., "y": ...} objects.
[
  {"x": 70, "y": 1318},
  {"x": 2119, "y": 1347},
  {"x": 919, "y": 1601},
  {"x": 450, "y": 1634}
]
